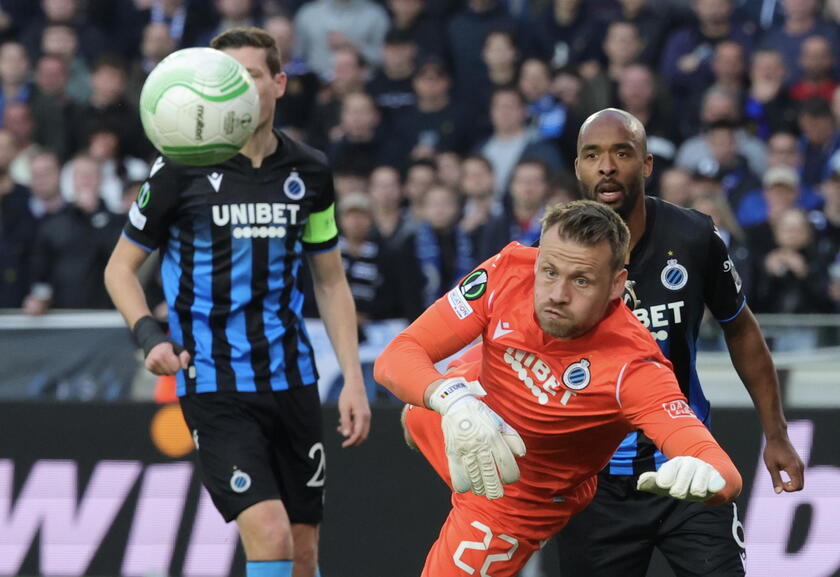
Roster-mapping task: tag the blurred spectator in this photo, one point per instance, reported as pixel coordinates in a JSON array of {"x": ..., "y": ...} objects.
[
  {"x": 156, "y": 45},
  {"x": 567, "y": 32},
  {"x": 349, "y": 72},
  {"x": 108, "y": 105},
  {"x": 117, "y": 169},
  {"x": 386, "y": 202},
  {"x": 817, "y": 65},
  {"x": 359, "y": 143},
  {"x": 467, "y": 32},
  {"x": 726, "y": 164},
  {"x": 622, "y": 47},
  {"x": 17, "y": 229},
  {"x": 562, "y": 188},
  {"x": 801, "y": 20},
  {"x": 729, "y": 66},
  {"x": 500, "y": 59},
  {"x": 348, "y": 178},
  {"x": 420, "y": 176},
  {"x": 411, "y": 18},
  {"x": 641, "y": 94},
  {"x": 432, "y": 124},
  {"x": 361, "y": 256},
  {"x": 448, "y": 164},
  {"x": 767, "y": 107},
  {"x": 792, "y": 276},
  {"x": 55, "y": 113},
  {"x": 9, "y": 24},
  {"x": 780, "y": 191},
  {"x": 820, "y": 139},
  {"x": 782, "y": 152},
  {"x": 652, "y": 20},
  {"x": 324, "y": 26},
  {"x": 185, "y": 19},
  {"x": 17, "y": 119},
  {"x": 675, "y": 187},
  {"x": 687, "y": 59},
  {"x": 521, "y": 219},
  {"x": 72, "y": 248},
  {"x": 92, "y": 41},
  {"x": 231, "y": 13},
  {"x": 479, "y": 201},
  {"x": 46, "y": 196},
  {"x": 512, "y": 140},
  {"x": 14, "y": 75},
  {"x": 834, "y": 284},
  {"x": 295, "y": 111},
  {"x": 391, "y": 85},
  {"x": 61, "y": 40},
  {"x": 827, "y": 220},
  {"x": 721, "y": 105},
  {"x": 444, "y": 251},
  {"x": 552, "y": 119},
  {"x": 567, "y": 86}
]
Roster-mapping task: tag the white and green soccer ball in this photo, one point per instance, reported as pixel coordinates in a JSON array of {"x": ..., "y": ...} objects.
[{"x": 199, "y": 106}]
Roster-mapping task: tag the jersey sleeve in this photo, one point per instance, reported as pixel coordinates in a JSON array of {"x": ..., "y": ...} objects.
[
  {"x": 722, "y": 284},
  {"x": 321, "y": 232},
  {"x": 651, "y": 400},
  {"x": 406, "y": 366},
  {"x": 153, "y": 211}
]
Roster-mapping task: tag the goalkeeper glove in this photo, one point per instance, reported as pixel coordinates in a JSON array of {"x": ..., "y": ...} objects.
[
  {"x": 480, "y": 446},
  {"x": 686, "y": 478}
]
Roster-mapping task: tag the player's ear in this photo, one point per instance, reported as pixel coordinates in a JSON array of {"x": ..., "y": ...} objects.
[
  {"x": 617, "y": 288},
  {"x": 648, "y": 165},
  {"x": 280, "y": 80}
]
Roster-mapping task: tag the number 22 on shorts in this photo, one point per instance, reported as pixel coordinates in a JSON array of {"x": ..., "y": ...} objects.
[{"x": 484, "y": 545}]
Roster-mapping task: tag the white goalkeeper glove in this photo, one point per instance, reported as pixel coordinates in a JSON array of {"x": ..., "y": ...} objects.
[
  {"x": 480, "y": 446},
  {"x": 686, "y": 478}
]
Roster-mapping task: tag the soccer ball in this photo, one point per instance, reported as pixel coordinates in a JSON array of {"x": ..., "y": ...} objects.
[{"x": 199, "y": 106}]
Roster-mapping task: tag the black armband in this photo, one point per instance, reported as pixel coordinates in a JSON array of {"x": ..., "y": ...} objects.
[{"x": 148, "y": 334}]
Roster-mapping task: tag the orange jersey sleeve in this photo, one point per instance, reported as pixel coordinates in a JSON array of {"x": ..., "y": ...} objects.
[
  {"x": 406, "y": 366},
  {"x": 651, "y": 400}
]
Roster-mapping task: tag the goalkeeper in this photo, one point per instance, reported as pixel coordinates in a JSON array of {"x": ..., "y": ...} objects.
[{"x": 566, "y": 371}]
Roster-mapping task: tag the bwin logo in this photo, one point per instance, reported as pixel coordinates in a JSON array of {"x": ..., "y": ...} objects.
[{"x": 240, "y": 481}]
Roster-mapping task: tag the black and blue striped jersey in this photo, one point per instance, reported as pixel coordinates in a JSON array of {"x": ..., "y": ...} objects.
[
  {"x": 232, "y": 239},
  {"x": 678, "y": 267}
]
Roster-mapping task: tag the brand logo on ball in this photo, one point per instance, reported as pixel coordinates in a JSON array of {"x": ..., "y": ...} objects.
[
  {"x": 576, "y": 376},
  {"x": 674, "y": 275},
  {"x": 474, "y": 285},
  {"x": 240, "y": 481},
  {"x": 293, "y": 186},
  {"x": 143, "y": 195}
]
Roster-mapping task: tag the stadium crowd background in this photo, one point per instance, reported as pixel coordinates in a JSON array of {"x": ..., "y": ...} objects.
[{"x": 450, "y": 126}]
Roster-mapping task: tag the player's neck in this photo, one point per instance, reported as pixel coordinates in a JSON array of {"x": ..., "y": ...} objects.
[
  {"x": 636, "y": 222},
  {"x": 261, "y": 144}
]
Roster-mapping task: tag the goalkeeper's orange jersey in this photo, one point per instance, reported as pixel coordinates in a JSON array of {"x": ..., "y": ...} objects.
[{"x": 572, "y": 401}]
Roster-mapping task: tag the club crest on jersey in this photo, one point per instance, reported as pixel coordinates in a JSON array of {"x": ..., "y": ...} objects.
[
  {"x": 240, "y": 481},
  {"x": 674, "y": 276},
  {"x": 293, "y": 186},
  {"x": 576, "y": 376},
  {"x": 474, "y": 284}
]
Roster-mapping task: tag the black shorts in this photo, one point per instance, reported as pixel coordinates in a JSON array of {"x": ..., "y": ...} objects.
[
  {"x": 615, "y": 535},
  {"x": 258, "y": 446}
]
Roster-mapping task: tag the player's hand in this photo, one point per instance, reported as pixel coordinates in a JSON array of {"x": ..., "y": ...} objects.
[
  {"x": 354, "y": 413},
  {"x": 779, "y": 455},
  {"x": 480, "y": 446},
  {"x": 686, "y": 478},
  {"x": 164, "y": 360}
]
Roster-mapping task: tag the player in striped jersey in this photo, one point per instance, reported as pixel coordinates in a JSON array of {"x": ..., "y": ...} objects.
[
  {"x": 677, "y": 266},
  {"x": 232, "y": 238}
]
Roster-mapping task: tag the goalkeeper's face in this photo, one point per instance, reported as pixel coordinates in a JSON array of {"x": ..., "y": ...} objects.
[{"x": 573, "y": 285}]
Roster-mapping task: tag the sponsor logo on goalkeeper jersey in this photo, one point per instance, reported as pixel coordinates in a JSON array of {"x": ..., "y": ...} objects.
[
  {"x": 474, "y": 284},
  {"x": 458, "y": 303},
  {"x": 677, "y": 409},
  {"x": 538, "y": 378},
  {"x": 256, "y": 219}
]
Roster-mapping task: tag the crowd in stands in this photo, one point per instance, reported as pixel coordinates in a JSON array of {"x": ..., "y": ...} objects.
[{"x": 450, "y": 126}]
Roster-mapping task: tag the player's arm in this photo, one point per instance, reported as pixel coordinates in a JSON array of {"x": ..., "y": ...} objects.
[
  {"x": 480, "y": 446},
  {"x": 698, "y": 468},
  {"x": 753, "y": 363},
  {"x": 148, "y": 220},
  {"x": 338, "y": 311}
]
